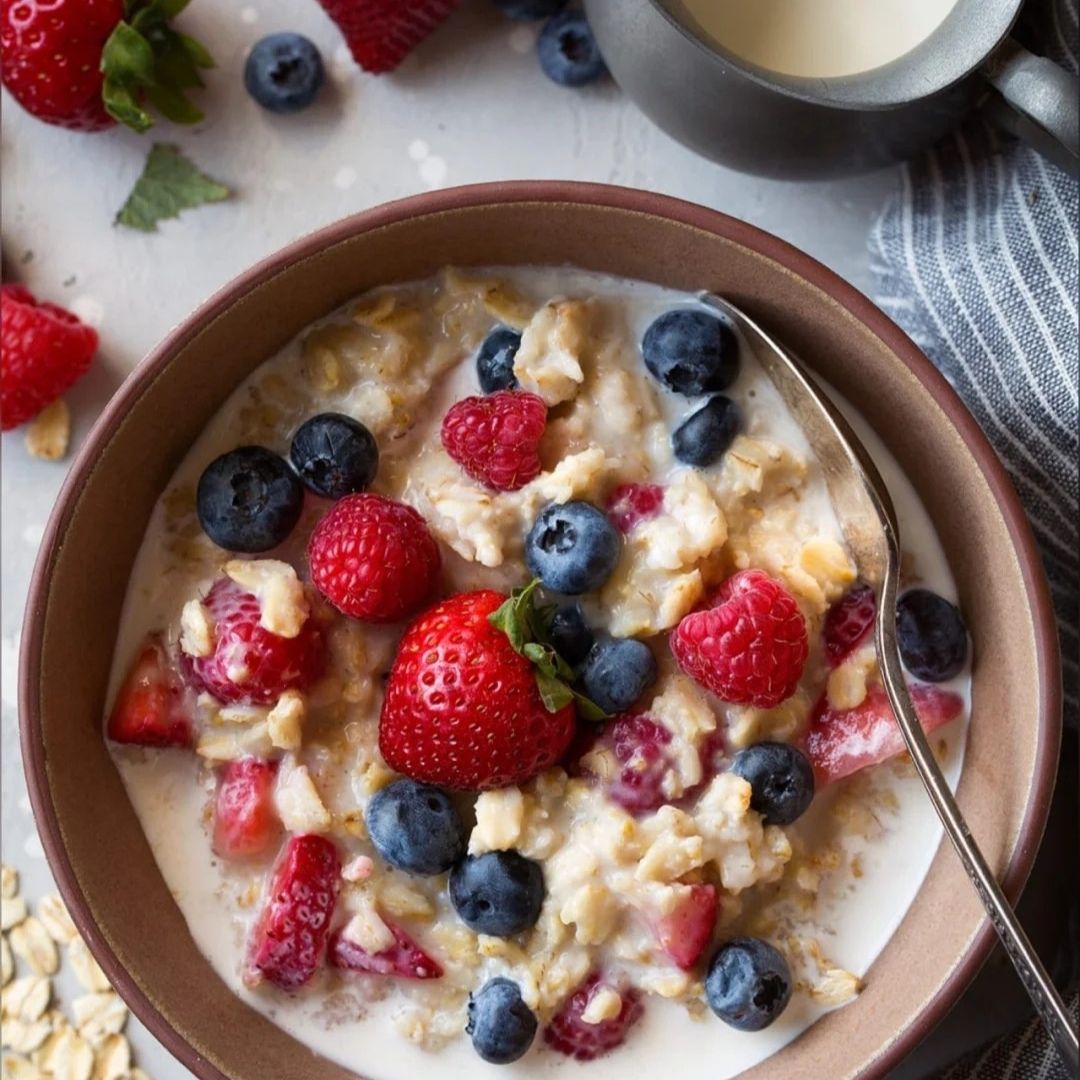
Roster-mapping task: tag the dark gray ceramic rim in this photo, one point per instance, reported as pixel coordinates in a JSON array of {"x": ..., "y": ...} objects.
[
  {"x": 967, "y": 37},
  {"x": 604, "y": 197}
]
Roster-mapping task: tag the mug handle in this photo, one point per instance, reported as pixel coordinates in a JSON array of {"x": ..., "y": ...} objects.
[{"x": 1037, "y": 100}]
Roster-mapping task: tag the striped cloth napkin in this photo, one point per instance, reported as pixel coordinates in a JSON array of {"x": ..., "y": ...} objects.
[{"x": 976, "y": 258}]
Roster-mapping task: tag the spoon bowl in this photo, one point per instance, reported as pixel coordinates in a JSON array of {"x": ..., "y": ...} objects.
[{"x": 870, "y": 527}]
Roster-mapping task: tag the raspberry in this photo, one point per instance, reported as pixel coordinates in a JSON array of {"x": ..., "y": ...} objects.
[
  {"x": 245, "y": 819},
  {"x": 639, "y": 744},
  {"x": 404, "y": 958},
  {"x": 290, "y": 936},
  {"x": 496, "y": 439},
  {"x": 848, "y": 621},
  {"x": 750, "y": 648},
  {"x": 250, "y": 664},
  {"x": 374, "y": 559},
  {"x": 570, "y": 1035},
  {"x": 45, "y": 350},
  {"x": 381, "y": 33},
  {"x": 630, "y": 504}
]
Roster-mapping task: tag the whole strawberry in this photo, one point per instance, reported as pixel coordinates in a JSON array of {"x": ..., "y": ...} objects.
[
  {"x": 496, "y": 438},
  {"x": 463, "y": 708},
  {"x": 86, "y": 64},
  {"x": 750, "y": 647},
  {"x": 44, "y": 349},
  {"x": 381, "y": 33},
  {"x": 373, "y": 558}
]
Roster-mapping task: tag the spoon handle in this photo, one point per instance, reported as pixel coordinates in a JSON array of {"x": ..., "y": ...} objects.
[{"x": 1047, "y": 1001}]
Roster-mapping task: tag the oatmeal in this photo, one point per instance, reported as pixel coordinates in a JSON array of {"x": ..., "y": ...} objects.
[{"x": 508, "y": 615}]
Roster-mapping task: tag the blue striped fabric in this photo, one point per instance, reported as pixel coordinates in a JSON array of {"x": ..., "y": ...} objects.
[{"x": 976, "y": 258}]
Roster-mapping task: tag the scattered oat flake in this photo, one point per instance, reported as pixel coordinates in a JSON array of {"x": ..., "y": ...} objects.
[
  {"x": 26, "y": 998},
  {"x": 86, "y": 967},
  {"x": 836, "y": 987},
  {"x": 112, "y": 1059},
  {"x": 99, "y": 1015},
  {"x": 70, "y": 1057},
  {"x": 49, "y": 433},
  {"x": 55, "y": 918},
  {"x": 7, "y": 964},
  {"x": 12, "y": 911},
  {"x": 9, "y": 882},
  {"x": 19, "y": 1068},
  {"x": 23, "y": 1037},
  {"x": 32, "y": 944}
]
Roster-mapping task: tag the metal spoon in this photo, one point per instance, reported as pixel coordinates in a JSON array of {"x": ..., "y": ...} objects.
[{"x": 868, "y": 520}]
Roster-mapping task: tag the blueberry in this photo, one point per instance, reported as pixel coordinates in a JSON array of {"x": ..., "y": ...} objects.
[
  {"x": 502, "y": 1026},
  {"x": 617, "y": 672},
  {"x": 748, "y": 985},
  {"x": 283, "y": 72},
  {"x": 568, "y": 51},
  {"x": 780, "y": 778},
  {"x": 248, "y": 500},
  {"x": 932, "y": 636},
  {"x": 703, "y": 437},
  {"x": 416, "y": 827},
  {"x": 495, "y": 360},
  {"x": 498, "y": 893},
  {"x": 335, "y": 455},
  {"x": 572, "y": 548},
  {"x": 691, "y": 352},
  {"x": 570, "y": 634},
  {"x": 530, "y": 10}
]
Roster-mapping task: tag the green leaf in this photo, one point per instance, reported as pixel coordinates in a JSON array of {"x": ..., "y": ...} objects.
[
  {"x": 145, "y": 60},
  {"x": 526, "y": 626},
  {"x": 121, "y": 105},
  {"x": 554, "y": 693},
  {"x": 587, "y": 709},
  {"x": 173, "y": 105},
  {"x": 200, "y": 56},
  {"x": 169, "y": 183},
  {"x": 127, "y": 56}
]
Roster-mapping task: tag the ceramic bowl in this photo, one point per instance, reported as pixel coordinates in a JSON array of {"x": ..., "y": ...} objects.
[{"x": 95, "y": 845}]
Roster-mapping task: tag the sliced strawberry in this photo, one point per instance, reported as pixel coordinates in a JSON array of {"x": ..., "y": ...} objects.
[
  {"x": 570, "y": 1035},
  {"x": 151, "y": 708},
  {"x": 848, "y": 622},
  {"x": 290, "y": 936},
  {"x": 245, "y": 819},
  {"x": 405, "y": 958},
  {"x": 842, "y": 741},
  {"x": 685, "y": 932}
]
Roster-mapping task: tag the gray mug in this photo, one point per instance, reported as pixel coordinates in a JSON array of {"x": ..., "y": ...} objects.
[{"x": 764, "y": 122}]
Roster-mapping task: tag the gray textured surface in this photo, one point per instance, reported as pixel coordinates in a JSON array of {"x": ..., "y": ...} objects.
[{"x": 470, "y": 106}]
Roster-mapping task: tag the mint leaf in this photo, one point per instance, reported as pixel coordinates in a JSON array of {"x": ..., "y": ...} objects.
[
  {"x": 526, "y": 626},
  {"x": 169, "y": 183}
]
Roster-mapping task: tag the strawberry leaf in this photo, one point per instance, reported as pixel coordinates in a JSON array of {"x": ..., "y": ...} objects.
[
  {"x": 146, "y": 61},
  {"x": 169, "y": 183},
  {"x": 526, "y": 625}
]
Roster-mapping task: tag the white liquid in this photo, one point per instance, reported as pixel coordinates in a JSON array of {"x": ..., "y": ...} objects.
[
  {"x": 855, "y": 919},
  {"x": 819, "y": 38}
]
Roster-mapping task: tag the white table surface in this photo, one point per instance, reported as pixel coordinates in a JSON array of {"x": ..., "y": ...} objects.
[{"x": 471, "y": 105}]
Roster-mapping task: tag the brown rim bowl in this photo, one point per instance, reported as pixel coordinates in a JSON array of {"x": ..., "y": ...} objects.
[{"x": 93, "y": 840}]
